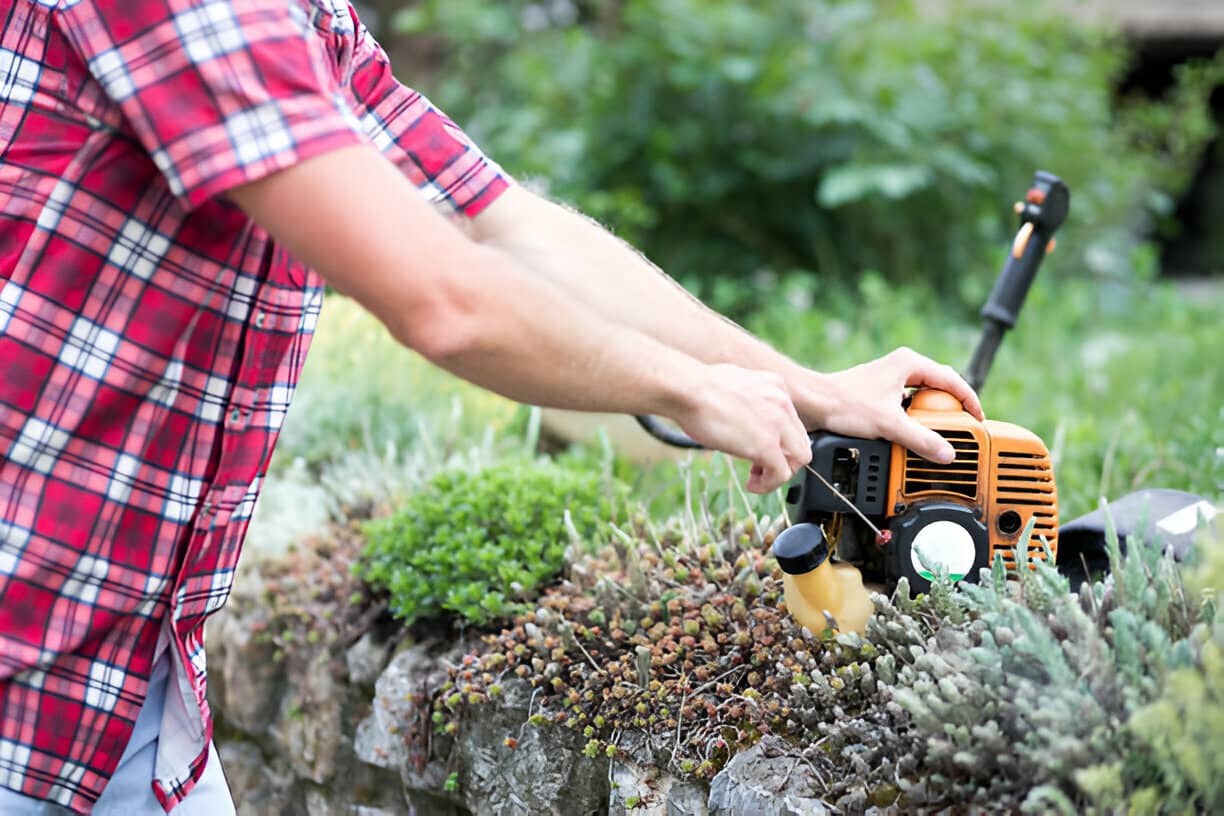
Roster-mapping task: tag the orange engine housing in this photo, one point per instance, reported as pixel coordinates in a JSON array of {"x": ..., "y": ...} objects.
[{"x": 1001, "y": 471}]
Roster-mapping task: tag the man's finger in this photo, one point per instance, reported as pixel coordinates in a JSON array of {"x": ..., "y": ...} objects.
[
  {"x": 769, "y": 474},
  {"x": 922, "y": 440},
  {"x": 796, "y": 444},
  {"x": 933, "y": 375}
]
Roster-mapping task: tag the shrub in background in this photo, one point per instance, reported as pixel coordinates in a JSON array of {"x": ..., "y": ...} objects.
[
  {"x": 477, "y": 542},
  {"x": 725, "y": 137}
]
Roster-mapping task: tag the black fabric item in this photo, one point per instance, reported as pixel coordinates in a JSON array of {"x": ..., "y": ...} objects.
[{"x": 1156, "y": 517}]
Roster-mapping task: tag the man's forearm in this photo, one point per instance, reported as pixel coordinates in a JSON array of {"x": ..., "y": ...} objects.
[
  {"x": 614, "y": 279},
  {"x": 467, "y": 308},
  {"x": 476, "y": 312},
  {"x": 617, "y": 282}
]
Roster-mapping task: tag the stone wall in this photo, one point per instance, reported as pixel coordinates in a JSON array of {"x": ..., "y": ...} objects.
[{"x": 315, "y": 699}]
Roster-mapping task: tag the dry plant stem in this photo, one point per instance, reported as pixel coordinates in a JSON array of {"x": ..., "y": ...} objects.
[
  {"x": 611, "y": 787},
  {"x": 783, "y": 513},
  {"x": 800, "y": 760},
  {"x": 748, "y": 509},
  {"x": 578, "y": 643},
  {"x": 572, "y": 529},
  {"x": 632, "y": 566},
  {"x": 689, "y": 515},
  {"x": 688, "y": 696},
  {"x": 1143, "y": 474},
  {"x": 654, "y": 536},
  {"x": 366, "y": 621},
  {"x": 530, "y": 705},
  {"x": 620, "y": 589},
  {"x": 625, "y": 538},
  {"x": 616, "y": 735},
  {"x": 709, "y": 522},
  {"x": 1111, "y": 452},
  {"x": 679, "y": 725},
  {"x": 847, "y": 502}
]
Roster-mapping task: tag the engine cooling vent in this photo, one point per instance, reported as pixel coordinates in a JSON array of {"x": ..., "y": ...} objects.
[
  {"x": 1026, "y": 485},
  {"x": 960, "y": 476}
]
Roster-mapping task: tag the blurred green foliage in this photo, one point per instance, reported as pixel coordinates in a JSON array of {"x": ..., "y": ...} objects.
[
  {"x": 479, "y": 542},
  {"x": 724, "y": 137}
]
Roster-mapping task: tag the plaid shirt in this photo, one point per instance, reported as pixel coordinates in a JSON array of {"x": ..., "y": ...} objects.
[{"x": 151, "y": 337}]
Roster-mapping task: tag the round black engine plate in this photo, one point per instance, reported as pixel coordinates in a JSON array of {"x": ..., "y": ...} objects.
[{"x": 938, "y": 536}]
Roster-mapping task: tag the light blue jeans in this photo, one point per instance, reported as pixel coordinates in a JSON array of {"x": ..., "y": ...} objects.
[{"x": 130, "y": 790}]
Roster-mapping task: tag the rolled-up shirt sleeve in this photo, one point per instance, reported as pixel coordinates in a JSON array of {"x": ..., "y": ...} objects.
[
  {"x": 430, "y": 149},
  {"x": 219, "y": 92}
]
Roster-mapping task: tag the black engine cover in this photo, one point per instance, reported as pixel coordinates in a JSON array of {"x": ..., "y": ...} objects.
[
  {"x": 858, "y": 468},
  {"x": 947, "y": 533}
]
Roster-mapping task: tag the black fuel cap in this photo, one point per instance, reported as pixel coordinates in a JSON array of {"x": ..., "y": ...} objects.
[{"x": 801, "y": 548}]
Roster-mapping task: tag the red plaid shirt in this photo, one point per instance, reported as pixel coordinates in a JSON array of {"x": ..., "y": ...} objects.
[{"x": 151, "y": 336}]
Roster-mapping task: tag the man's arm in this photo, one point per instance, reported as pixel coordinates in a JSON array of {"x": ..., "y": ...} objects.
[
  {"x": 616, "y": 281},
  {"x": 475, "y": 311}
]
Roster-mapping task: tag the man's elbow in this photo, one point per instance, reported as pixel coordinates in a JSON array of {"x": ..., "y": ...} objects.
[
  {"x": 439, "y": 330},
  {"x": 448, "y": 320}
]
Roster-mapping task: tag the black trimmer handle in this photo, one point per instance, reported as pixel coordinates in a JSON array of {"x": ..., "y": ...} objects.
[{"x": 1041, "y": 213}]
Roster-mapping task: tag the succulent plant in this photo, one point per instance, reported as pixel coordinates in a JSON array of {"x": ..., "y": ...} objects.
[
  {"x": 478, "y": 542},
  {"x": 1002, "y": 696}
]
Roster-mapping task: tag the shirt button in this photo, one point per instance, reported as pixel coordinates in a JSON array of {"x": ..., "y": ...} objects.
[
  {"x": 260, "y": 319},
  {"x": 235, "y": 417}
]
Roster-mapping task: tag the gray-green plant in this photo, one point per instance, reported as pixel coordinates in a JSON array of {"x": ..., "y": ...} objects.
[
  {"x": 1012, "y": 696},
  {"x": 1175, "y": 757}
]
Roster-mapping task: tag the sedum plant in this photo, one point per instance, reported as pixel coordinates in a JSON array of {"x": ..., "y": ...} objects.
[
  {"x": 476, "y": 543},
  {"x": 1016, "y": 703},
  {"x": 1175, "y": 758},
  {"x": 672, "y": 647}
]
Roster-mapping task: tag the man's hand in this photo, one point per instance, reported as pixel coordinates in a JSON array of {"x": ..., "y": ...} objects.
[
  {"x": 749, "y": 414},
  {"x": 865, "y": 401}
]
